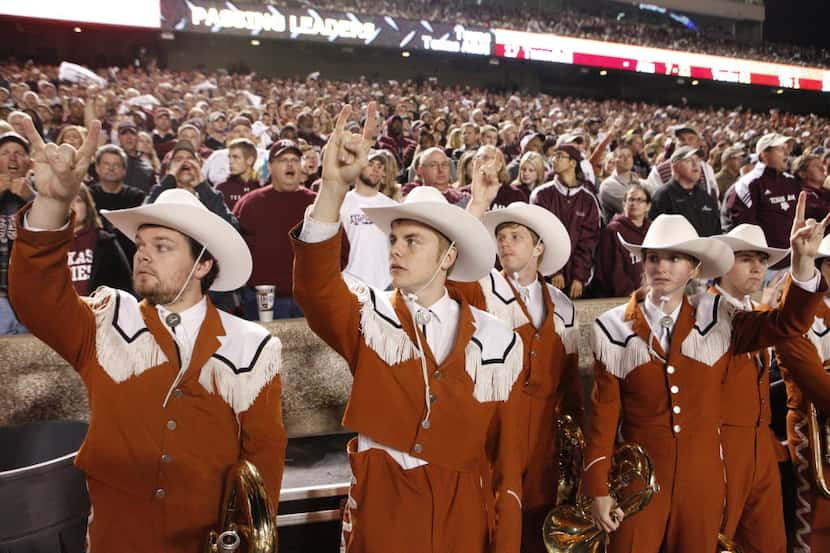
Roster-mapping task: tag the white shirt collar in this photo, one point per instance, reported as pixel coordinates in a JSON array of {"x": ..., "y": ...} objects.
[
  {"x": 191, "y": 318},
  {"x": 654, "y": 314},
  {"x": 564, "y": 190},
  {"x": 744, "y": 305},
  {"x": 441, "y": 310}
]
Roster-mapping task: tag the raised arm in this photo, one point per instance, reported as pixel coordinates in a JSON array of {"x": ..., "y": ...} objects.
[{"x": 40, "y": 286}]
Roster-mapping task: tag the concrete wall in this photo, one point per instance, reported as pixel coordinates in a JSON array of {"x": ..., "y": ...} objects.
[{"x": 38, "y": 385}]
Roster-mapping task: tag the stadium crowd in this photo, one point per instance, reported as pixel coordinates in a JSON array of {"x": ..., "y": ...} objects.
[
  {"x": 250, "y": 149},
  {"x": 613, "y": 22}
]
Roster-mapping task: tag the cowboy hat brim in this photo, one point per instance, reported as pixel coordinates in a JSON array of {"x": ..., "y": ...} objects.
[
  {"x": 550, "y": 229},
  {"x": 738, "y": 245},
  {"x": 476, "y": 253},
  {"x": 217, "y": 236},
  {"x": 716, "y": 258}
]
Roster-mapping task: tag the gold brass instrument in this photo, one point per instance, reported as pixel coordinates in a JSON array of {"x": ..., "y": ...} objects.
[
  {"x": 725, "y": 545},
  {"x": 569, "y": 527},
  {"x": 246, "y": 520},
  {"x": 819, "y": 436}
]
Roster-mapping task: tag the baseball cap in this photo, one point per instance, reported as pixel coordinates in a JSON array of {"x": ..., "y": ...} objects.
[
  {"x": 216, "y": 115},
  {"x": 680, "y": 129},
  {"x": 12, "y": 136},
  {"x": 282, "y": 146},
  {"x": 127, "y": 126},
  {"x": 685, "y": 152},
  {"x": 236, "y": 121},
  {"x": 183, "y": 145},
  {"x": 730, "y": 152},
  {"x": 526, "y": 139},
  {"x": 770, "y": 140},
  {"x": 572, "y": 151}
]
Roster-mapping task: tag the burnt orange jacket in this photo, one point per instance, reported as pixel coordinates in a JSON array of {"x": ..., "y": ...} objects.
[
  {"x": 156, "y": 474},
  {"x": 659, "y": 401},
  {"x": 804, "y": 362}
]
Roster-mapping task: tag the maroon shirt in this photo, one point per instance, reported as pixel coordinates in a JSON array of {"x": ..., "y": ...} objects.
[
  {"x": 818, "y": 202},
  {"x": 265, "y": 217},
  {"x": 509, "y": 193},
  {"x": 618, "y": 273},
  {"x": 579, "y": 211},
  {"x": 234, "y": 188},
  {"x": 80, "y": 257},
  {"x": 766, "y": 198}
]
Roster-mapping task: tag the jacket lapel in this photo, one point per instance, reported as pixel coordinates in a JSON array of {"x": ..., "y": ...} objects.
[
  {"x": 207, "y": 341},
  {"x": 639, "y": 325},
  {"x": 163, "y": 338}
]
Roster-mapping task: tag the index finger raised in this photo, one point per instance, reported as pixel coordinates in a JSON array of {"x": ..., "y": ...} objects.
[
  {"x": 342, "y": 118},
  {"x": 36, "y": 143},
  {"x": 370, "y": 126},
  {"x": 90, "y": 144},
  {"x": 800, "y": 207}
]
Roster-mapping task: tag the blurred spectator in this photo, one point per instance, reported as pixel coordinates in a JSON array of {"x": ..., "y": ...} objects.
[
  {"x": 618, "y": 272},
  {"x": 767, "y": 195},
  {"x": 148, "y": 152},
  {"x": 112, "y": 192},
  {"x": 634, "y": 140},
  {"x": 393, "y": 139},
  {"x": 433, "y": 169},
  {"x": 140, "y": 173},
  {"x": 811, "y": 174},
  {"x": 613, "y": 190},
  {"x": 15, "y": 191},
  {"x": 305, "y": 131},
  {"x": 163, "y": 136},
  {"x": 186, "y": 172},
  {"x": 566, "y": 197},
  {"x": 470, "y": 138},
  {"x": 662, "y": 173},
  {"x": 310, "y": 166},
  {"x": 265, "y": 217},
  {"x": 72, "y": 135},
  {"x": 682, "y": 195},
  {"x": 531, "y": 175},
  {"x": 95, "y": 258},
  {"x": 242, "y": 156},
  {"x": 730, "y": 172},
  {"x": 216, "y": 168},
  {"x": 368, "y": 245},
  {"x": 217, "y": 122}
]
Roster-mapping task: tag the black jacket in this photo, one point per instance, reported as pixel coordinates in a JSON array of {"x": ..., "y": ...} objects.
[
  {"x": 109, "y": 265},
  {"x": 699, "y": 208}
]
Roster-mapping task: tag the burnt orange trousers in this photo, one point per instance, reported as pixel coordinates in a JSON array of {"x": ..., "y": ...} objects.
[
  {"x": 754, "y": 515},
  {"x": 428, "y": 509},
  {"x": 685, "y": 516},
  {"x": 812, "y": 510},
  {"x": 539, "y": 451}
]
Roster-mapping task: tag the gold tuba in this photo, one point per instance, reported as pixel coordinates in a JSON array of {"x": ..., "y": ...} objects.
[
  {"x": 819, "y": 436},
  {"x": 246, "y": 514},
  {"x": 725, "y": 545},
  {"x": 569, "y": 527}
]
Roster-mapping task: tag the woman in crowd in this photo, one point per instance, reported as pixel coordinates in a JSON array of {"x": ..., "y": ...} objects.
[
  {"x": 95, "y": 258},
  {"x": 531, "y": 174},
  {"x": 71, "y": 134},
  {"x": 618, "y": 273}
]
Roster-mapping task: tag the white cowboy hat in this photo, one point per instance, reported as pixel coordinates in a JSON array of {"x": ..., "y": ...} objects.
[
  {"x": 550, "y": 229},
  {"x": 180, "y": 210},
  {"x": 750, "y": 238},
  {"x": 675, "y": 233},
  {"x": 426, "y": 205},
  {"x": 824, "y": 248}
]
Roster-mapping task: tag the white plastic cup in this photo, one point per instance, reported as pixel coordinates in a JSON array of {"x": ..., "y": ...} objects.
[{"x": 265, "y": 302}]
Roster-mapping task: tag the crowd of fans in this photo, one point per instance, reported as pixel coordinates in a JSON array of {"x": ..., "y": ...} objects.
[
  {"x": 250, "y": 149},
  {"x": 615, "y": 23}
]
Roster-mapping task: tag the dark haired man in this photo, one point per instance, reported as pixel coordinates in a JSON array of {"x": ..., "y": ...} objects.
[{"x": 179, "y": 393}]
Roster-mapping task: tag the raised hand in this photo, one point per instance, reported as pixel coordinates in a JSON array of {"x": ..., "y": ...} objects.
[
  {"x": 346, "y": 153},
  {"x": 59, "y": 170},
  {"x": 484, "y": 185},
  {"x": 805, "y": 237}
]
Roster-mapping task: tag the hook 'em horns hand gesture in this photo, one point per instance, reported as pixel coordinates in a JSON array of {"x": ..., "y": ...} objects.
[{"x": 805, "y": 237}]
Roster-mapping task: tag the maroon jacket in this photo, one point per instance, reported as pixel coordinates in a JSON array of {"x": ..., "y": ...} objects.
[
  {"x": 618, "y": 273},
  {"x": 509, "y": 193},
  {"x": 234, "y": 188},
  {"x": 579, "y": 211},
  {"x": 818, "y": 202},
  {"x": 766, "y": 198}
]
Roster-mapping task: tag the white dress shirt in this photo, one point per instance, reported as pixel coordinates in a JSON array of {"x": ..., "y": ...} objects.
[
  {"x": 654, "y": 315},
  {"x": 184, "y": 334},
  {"x": 531, "y": 295}
]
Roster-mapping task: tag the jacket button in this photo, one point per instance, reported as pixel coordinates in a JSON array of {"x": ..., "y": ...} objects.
[
  {"x": 433, "y": 398},
  {"x": 676, "y": 409},
  {"x": 171, "y": 424},
  {"x": 670, "y": 369},
  {"x": 674, "y": 389},
  {"x": 177, "y": 393},
  {"x": 536, "y": 335},
  {"x": 677, "y": 428},
  {"x": 436, "y": 374},
  {"x": 533, "y": 353},
  {"x": 418, "y": 448},
  {"x": 425, "y": 424},
  {"x": 161, "y": 493},
  {"x": 166, "y": 458}
]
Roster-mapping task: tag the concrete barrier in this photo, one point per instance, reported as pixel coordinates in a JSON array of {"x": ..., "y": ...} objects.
[{"x": 37, "y": 384}]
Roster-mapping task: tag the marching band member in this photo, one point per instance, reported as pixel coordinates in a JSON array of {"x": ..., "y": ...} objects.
[
  {"x": 660, "y": 362},
  {"x": 754, "y": 518},
  {"x": 532, "y": 243},
  {"x": 431, "y": 373},
  {"x": 804, "y": 362},
  {"x": 179, "y": 392}
]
